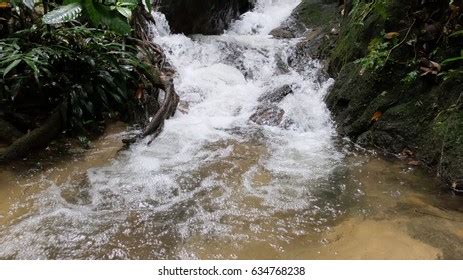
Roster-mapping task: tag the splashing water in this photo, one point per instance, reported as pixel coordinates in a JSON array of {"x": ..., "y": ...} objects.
[{"x": 213, "y": 180}]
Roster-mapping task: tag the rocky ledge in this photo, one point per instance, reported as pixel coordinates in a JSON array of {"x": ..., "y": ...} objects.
[
  {"x": 393, "y": 90},
  {"x": 208, "y": 17}
]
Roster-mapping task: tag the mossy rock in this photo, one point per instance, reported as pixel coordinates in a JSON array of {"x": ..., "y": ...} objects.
[
  {"x": 424, "y": 117},
  {"x": 317, "y": 13}
]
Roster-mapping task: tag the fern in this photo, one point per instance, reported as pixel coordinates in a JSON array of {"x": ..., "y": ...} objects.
[{"x": 63, "y": 14}]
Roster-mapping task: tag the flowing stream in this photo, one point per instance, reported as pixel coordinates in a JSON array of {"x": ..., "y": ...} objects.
[{"x": 217, "y": 185}]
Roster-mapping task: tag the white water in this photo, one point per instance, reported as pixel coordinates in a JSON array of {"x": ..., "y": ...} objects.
[{"x": 212, "y": 175}]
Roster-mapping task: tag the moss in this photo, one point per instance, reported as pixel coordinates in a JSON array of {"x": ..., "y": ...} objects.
[
  {"x": 365, "y": 23},
  {"x": 421, "y": 114},
  {"x": 448, "y": 128},
  {"x": 316, "y": 13}
]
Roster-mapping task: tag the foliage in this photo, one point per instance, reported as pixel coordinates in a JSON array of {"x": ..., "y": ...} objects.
[
  {"x": 63, "y": 14},
  {"x": 114, "y": 14},
  {"x": 377, "y": 56},
  {"x": 359, "y": 19},
  {"x": 92, "y": 69}
]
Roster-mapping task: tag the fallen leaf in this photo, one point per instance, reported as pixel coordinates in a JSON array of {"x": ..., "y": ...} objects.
[
  {"x": 391, "y": 35},
  {"x": 414, "y": 163},
  {"x": 429, "y": 67},
  {"x": 140, "y": 94},
  {"x": 457, "y": 186},
  {"x": 408, "y": 153},
  {"x": 436, "y": 66},
  {"x": 376, "y": 116}
]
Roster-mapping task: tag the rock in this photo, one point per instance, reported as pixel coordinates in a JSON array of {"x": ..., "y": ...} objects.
[
  {"x": 281, "y": 33},
  {"x": 416, "y": 116},
  {"x": 277, "y": 95},
  {"x": 457, "y": 186},
  {"x": 269, "y": 115},
  {"x": 282, "y": 66},
  {"x": 207, "y": 17}
]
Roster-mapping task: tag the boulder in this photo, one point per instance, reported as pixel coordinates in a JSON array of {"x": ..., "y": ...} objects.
[
  {"x": 209, "y": 17},
  {"x": 268, "y": 112},
  {"x": 269, "y": 115},
  {"x": 277, "y": 95}
]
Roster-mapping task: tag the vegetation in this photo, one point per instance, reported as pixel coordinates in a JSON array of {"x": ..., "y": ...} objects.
[
  {"x": 59, "y": 73},
  {"x": 399, "y": 67}
]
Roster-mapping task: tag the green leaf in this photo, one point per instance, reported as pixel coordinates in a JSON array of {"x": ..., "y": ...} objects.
[
  {"x": 33, "y": 66},
  {"x": 126, "y": 12},
  {"x": 11, "y": 67},
  {"x": 457, "y": 33},
  {"x": 29, "y": 4},
  {"x": 148, "y": 4},
  {"x": 453, "y": 59},
  {"x": 63, "y": 14},
  {"x": 101, "y": 15}
]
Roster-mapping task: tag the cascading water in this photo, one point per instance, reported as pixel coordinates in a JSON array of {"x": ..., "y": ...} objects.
[{"x": 214, "y": 184}]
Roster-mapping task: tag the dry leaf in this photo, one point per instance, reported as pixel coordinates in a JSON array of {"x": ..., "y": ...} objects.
[
  {"x": 414, "y": 163},
  {"x": 408, "y": 153},
  {"x": 429, "y": 67},
  {"x": 391, "y": 35},
  {"x": 140, "y": 94},
  {"x": 376, "y": 116}
]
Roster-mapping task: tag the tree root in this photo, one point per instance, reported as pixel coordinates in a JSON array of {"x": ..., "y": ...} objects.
[
  {"x": 167, "y": 110},
  {"x": 160, "y": 76},
  {"x": 38, "y": 137},
  {"x": 8, "y": 132}
]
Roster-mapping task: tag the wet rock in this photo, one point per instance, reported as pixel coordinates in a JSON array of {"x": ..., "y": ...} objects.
[
  {"x": 277, "y": 95},
  {"x": 269, "y": 115},
  {"x": 308, "y": 48},
  {"x": 417, "y": 116},
  {"x": 281, "y": 33},
  {"x": 203, "y": 16},
  {"x": 282, "y": 66},
  {"x": 235, "y": 57},
  {"x": 457, "y": 186}
]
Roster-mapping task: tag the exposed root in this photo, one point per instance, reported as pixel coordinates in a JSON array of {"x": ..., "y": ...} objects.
[
  {"x": 166, "y": 111},
  {"x": 38, "y": 137},
  {"x": 9, "y": 133},
  {"x": 160, "y": 76}
]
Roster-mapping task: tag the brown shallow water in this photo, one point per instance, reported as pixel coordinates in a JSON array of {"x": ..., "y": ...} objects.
[{"x": 386, "y": 210}]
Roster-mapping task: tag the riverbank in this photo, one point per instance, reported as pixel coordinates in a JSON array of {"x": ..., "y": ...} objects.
[{"x": 393, "y": 92}]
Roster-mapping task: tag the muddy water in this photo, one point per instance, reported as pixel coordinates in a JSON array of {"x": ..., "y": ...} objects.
[{"x": 216, "y": 185}]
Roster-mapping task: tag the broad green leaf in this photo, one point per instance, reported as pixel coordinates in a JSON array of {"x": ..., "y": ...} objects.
[
  {"x": 11, "y": 67},
  {"x": 34, "y": 68},
  {"x": 457, "y": 33},
  {"x": 101, "y": 15},
  {"x": 131, "y": 4},
  {"x": 148, "y": 4},
  {"x": 126, "y": 12},
  {"x": 63, "y": 14},
  {"x": 453, "y": 59}
]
